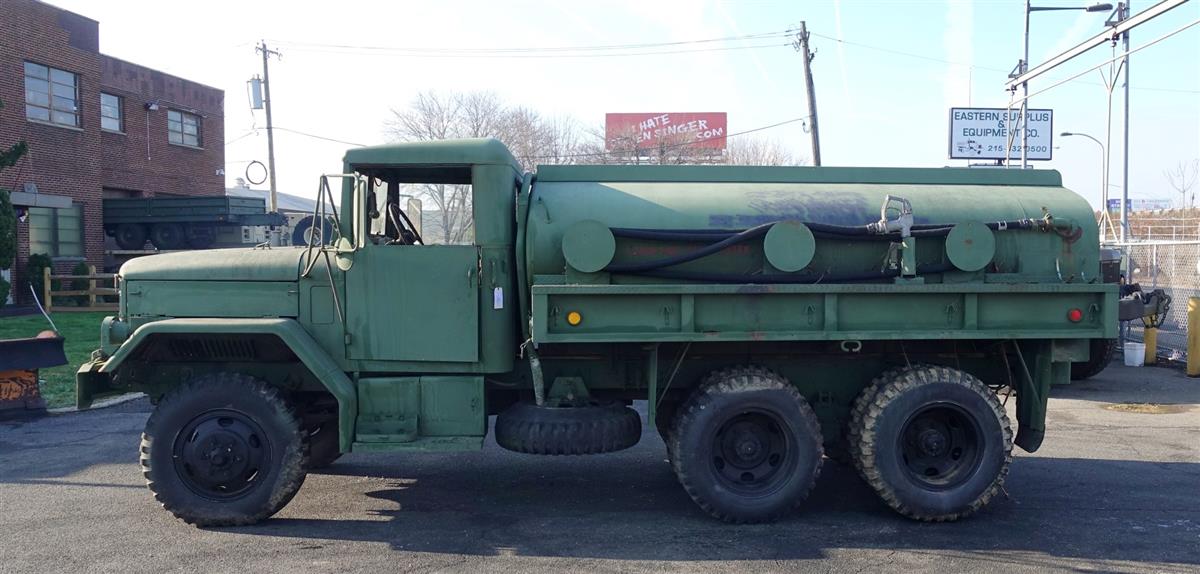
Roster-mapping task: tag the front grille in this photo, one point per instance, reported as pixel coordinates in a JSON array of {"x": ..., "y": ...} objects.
[{"x": 213, "y": 349}]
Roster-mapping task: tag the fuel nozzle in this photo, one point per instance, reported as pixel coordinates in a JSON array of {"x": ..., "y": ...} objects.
[{"x": 902, "y": 222}]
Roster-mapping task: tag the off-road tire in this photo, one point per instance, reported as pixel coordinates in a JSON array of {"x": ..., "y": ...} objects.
[
  {"x": 721, "y": 399},
  {"x": 130, "y": 236},
  {"x": 273, "y": 487},
  {"x": 166, "y": 236},
  {"x": 593, "y": 429},
  {"x": 851, "y": 434},
  {"x": 899, "y": 400},
  {"x": 1102, "y": 351},
  {"x": 323, "y": 448},
  {"x": 306, "y": 230}
]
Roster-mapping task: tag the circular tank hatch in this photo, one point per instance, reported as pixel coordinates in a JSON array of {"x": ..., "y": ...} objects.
[
  {"x": 789, "y": 246},
  {"x": 589, "y": 246},
  {"x": 970, "y": 246}
]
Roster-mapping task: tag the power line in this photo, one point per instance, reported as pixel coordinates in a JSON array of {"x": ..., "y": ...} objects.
[
  {"x": 484, "y": 55},
  {"x": 577, "y": 155},
  {"x": 315, "y": 136},
  {"x": 534, "y": 49},
  {"x": 244, "y": 136},
  {"x": 977, "y": 66}
]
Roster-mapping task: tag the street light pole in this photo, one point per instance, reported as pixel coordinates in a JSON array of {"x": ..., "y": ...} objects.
[
  {"x": 1103, "y": 181},
  {"x": 1024, "y": 67}
]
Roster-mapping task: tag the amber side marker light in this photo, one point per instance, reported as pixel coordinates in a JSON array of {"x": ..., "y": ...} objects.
[{"x": 574, "y": 318}]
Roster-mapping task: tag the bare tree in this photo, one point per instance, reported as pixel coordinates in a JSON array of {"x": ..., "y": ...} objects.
[
  {"x": 437, "y": 116},
  {"x": 532, "y": 138},
  {"x": 758, "y": 151},
  {"x": 1183, "y": 179}
]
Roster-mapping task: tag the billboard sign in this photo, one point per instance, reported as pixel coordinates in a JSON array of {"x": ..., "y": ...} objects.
[
  {"x": 650, "y": 130},
  {"x": 1140, "y": 204},
  {"x": 983, "y": 133}
]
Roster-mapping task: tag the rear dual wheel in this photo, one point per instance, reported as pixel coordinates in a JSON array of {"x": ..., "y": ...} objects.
[
  {"x": 746, "y": 446},
  {"x": 933, "y": 442}
]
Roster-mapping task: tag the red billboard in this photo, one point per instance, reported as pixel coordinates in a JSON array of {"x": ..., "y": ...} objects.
[{"x": 647, "y": 131}]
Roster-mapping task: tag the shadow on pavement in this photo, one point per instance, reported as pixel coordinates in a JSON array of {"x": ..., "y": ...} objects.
[
  {"x": 634, "y": 509},
  {"x": 1120, "y": 384},
  {"x": 62, "y": 445}
]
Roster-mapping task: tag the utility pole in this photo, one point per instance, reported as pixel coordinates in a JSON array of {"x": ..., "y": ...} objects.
[
  {"x": 1023, "y": 121},
  {"x": 272, "y": 202},
  {"x": 1123, "y": 13},
  {"x": 801, "y": 45}
]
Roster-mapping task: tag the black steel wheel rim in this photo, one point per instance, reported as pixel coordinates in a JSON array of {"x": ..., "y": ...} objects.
[
  {"x": 752, "y": 453},
  {"x": 941, "y": 446},
  {"x": 222, "y": 454}
]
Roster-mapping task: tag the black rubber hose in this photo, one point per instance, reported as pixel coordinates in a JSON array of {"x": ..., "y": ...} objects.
[
  {"x": 826, "y": 229},
  {"x": 675, "y": 234},
  {"x": 780, "y": 278},
  {"x": 751, "y": 233}
]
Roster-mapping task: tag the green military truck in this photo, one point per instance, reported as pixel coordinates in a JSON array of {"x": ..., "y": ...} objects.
[
  {"x": 770, "y": 317},
  {"x": 180, "y": 222}
]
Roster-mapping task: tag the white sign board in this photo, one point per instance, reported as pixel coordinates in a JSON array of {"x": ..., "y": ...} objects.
[{"x": 983, "y": 133}]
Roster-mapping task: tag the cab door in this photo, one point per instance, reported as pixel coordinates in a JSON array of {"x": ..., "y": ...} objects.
[{"x": 414, "y": 303}]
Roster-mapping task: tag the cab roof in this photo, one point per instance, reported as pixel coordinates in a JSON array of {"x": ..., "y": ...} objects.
[{"x": 459, "y": 152}]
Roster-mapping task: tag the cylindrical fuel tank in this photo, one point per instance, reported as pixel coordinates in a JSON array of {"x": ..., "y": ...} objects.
[{"x": 1008, "y": 225}]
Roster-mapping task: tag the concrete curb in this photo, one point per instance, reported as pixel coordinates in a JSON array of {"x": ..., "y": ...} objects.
[{"x": 109, "y": 402}]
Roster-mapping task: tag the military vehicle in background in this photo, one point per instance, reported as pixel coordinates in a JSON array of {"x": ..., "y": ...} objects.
[
  {"x": 768, "y": 316},
  {"x": 171, "y": 223}
]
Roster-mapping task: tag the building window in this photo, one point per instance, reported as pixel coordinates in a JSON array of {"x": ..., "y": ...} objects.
[
  {"x": 51, "y": 95},
  {"x": 56, "y": 232},
  {"x": 112, "y": 116},
  {"x": 183, "y": 128}
]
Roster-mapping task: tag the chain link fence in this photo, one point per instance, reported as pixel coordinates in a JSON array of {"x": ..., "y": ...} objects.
[{"x": 1173, "y": 266}]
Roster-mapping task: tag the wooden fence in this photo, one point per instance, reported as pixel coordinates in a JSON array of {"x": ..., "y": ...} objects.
[{"x": 92, "y": 292}]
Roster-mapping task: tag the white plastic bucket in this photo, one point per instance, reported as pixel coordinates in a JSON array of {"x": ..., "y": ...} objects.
[{"x": 1135, "y": 354}]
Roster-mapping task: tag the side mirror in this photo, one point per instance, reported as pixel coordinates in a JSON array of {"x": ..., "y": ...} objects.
[
  {"x": 413, "y": 211},
  {"x": 344, "y": 254}
]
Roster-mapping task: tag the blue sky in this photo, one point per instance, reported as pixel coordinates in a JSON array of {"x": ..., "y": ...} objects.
[{"x": 883, "y": 93}]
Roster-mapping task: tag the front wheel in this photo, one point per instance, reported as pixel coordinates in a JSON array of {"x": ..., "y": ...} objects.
[{"x": 223, "y": 450}]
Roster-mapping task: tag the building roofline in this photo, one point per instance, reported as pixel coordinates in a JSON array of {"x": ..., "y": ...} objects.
[
  {"x": 44, "y": 3},
  {"x": 181, "y": 78}
]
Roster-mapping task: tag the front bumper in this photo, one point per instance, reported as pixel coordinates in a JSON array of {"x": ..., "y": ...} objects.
[{"x": 91, "y": 384}]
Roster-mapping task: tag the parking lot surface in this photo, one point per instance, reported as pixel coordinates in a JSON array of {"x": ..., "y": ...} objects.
[{"x": 1115, "y": 488}]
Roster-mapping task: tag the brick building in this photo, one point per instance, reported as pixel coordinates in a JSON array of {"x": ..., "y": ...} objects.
[{"x": 96, "y": 127}]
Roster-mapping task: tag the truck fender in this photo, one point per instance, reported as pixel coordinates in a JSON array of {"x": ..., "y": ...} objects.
[{"x": 318, "y": 362}]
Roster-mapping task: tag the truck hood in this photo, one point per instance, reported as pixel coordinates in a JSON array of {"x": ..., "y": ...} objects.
[{"x": 240, "y": 264}]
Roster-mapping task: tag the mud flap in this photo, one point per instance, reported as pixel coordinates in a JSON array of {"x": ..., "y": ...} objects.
[{"x": 1037, "y": 371}]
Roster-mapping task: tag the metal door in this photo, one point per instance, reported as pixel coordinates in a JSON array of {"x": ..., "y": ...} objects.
[{"x": 414, "y": 303}]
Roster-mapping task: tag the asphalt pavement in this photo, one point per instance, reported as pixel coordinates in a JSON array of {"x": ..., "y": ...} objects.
[{"x": 1113, "y": 490}]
